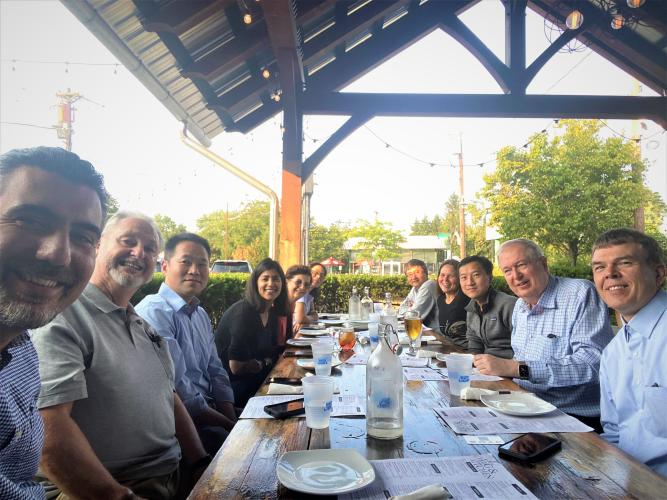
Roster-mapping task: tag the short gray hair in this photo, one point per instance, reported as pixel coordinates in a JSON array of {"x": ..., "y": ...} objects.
[
  {"x": 116, "y": 218},
  {"x": 532, "y": 249}
]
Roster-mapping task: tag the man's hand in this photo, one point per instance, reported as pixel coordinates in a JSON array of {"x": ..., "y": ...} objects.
[{"x": 488, "y": 364}]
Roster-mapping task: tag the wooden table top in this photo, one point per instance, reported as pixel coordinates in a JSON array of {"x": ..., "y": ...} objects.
[{"x": 245, "y": 467}]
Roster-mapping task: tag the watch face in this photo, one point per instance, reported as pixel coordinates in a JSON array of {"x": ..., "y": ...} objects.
[{"x": 524, "y": 372}]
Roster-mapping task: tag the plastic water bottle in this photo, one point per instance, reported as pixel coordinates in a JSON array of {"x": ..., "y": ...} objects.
[
  {"x": 373, "y": 324},
  {"x": 384, "y": 390},
  {"x": 354, "y": 309},
  {"x": 366, "y": 304}
]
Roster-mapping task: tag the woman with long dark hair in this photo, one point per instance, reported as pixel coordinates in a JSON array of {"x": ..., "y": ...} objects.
[
  {"x": 451, "y": 304},
  {"x": 253, "y": 331}
]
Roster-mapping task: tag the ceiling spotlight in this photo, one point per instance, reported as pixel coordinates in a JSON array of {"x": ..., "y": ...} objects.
[
  {"x": 574, "y": 20},
  {"x": 633, "y": 4},
  {"x": 247, "y": 18},
  {"x": 266, "y": 73},
  {"x": 617, "y": 22}
]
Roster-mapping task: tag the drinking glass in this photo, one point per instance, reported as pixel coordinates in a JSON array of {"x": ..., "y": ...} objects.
[
  {"x": 347, "y": 338},
  {"x": 413, "y": 327}
]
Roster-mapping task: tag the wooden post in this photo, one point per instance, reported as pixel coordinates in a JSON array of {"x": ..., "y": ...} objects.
[{"x": 290, "y": 220}]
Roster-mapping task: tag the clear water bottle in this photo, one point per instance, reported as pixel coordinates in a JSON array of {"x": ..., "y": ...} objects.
[
  {"x": 384, "y": 390},
  {"x": 366, "y": 304},
  {"x": 373, "y": 324},
  {"x": 354, "y": 309},
  {"x": 388, "y": 316}
]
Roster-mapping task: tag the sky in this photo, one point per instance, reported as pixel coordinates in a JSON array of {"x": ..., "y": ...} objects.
[{"x": 134, "y": 141}]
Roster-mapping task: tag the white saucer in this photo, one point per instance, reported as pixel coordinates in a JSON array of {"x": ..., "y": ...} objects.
[
  {"x": 313, "y": 333},
  {"x": 301, "y": 342},
  {"x": 308, "y": 364},
  {"x": 324, "y": 472},
  {"x": 520, "y": 404},
  {"x": 329, "y": 322}
]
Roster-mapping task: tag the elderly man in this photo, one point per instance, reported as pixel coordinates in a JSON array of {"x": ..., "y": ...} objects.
[
  {"x": 489, "y": 312},
  {"x": 113, "y": 423},
  {"x": 422, "y": 295},
  {"x": 52, "y": 205},
  {"x": 560, "y": 327},
  {"x": 629, "y": 273},
  {"x": 201, "y": 381}
]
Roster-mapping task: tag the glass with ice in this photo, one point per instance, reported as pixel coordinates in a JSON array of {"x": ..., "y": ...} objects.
[
  {"x": 459, "y": 370},
  {"x": 322, "y": 351},
  {"x": 318, "y": 400}
]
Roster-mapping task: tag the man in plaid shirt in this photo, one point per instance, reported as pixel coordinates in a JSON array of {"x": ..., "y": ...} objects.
[
  {"x": 559, "y": 328},
  {"x": 52, "y": 205}
]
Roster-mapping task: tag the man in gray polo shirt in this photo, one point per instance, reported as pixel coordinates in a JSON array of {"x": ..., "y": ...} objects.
[{"x": 113, "y": 423}]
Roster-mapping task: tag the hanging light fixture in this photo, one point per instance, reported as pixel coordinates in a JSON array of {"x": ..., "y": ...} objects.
[
  {"x": 633, "y": 4},
  {"x": 617, "y": 22},
  {"x": 266, "y": 73},
  {"x": 247, "y": 18},
  {"x": 574, "y": 20}
]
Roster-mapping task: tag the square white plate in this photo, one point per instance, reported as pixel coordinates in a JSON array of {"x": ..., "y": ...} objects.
[
  {"x": 519, "y": 404},
  {"x": 324, "y": 472}
]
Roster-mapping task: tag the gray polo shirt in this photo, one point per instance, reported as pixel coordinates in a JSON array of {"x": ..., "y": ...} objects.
[{"x": 101, "y": 356}]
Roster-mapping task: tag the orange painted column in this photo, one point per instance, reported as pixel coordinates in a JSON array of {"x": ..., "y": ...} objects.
[{"x": 290, "y": 220}]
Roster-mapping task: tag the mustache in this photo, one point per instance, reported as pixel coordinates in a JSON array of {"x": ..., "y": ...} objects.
[{"x": 45, "y": 271}]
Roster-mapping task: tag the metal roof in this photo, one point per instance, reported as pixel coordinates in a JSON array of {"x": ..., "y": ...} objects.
[{"x": 206, "y": 65}]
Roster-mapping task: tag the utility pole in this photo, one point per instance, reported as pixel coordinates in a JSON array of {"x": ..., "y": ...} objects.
[
  {"x": 66, "y": 116},
  {"x": 462, "y": 210},
  {"x": 636, "y": 137}
]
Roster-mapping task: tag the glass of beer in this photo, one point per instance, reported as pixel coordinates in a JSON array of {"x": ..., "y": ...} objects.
[
  {"x": 413, "y": 326},
  {"x": 347, "y": 338}
]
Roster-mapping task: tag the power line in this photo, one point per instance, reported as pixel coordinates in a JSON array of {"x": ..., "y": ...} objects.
[
  {"x": 26, "y": 125},
  {"x": 67, "y": 63}
]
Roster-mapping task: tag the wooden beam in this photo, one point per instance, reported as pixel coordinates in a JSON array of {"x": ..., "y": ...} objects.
[
  {"x": 566, "y": 37},
  {"x": 332, "y": 142},
  {"x": 290, "y": 220},
  {"x": 179, "y": 17},
  {"x": 515, "y": 43},
  {"x": 487, "y": 105}
]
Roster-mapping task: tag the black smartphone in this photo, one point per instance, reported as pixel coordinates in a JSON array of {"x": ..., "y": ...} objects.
[
  {"x": 298, "y": 354},
  {"x": 285, "y": 380},
  {"x": 286, "y": 409},
  {"x": 530, "y": 447}
]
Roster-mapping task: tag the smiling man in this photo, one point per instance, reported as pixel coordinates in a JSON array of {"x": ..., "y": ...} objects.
[
  {"x": 423, "y": 294},
  {"x": 113, "y": 423},
  {"x": 52, "y": 205},
  {"x": 559, "y": 329},
  {"x": 201, "y": 381},
  {"x": 629, "y": 274}
]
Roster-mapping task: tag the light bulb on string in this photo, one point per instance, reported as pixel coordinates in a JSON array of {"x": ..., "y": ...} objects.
[
  {"x": 266, "y": 73},
  {"x": 247, "y": 18},
  {"x": 574, "y": 20},
  {"x": 633, "y": 4},
  {"x": 617, "y": 22}
]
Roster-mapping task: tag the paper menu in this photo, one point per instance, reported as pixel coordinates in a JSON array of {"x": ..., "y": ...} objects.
[
  {"x": 343, "y": 405},
  {"x": 467, "y": 477}
]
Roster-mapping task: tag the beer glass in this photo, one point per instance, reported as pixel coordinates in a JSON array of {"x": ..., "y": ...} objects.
[{"x": 413, "y": 327}]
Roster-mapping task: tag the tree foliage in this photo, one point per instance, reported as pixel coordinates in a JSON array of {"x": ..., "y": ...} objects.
[
  {"x": 238, "y": 234},
  {"x": 327, "y": 241},
  {"x": 563, "y": 192},
  {"x": 167, "y": 226},
  {"x": 428, "y": 227},
  {"x": 380, "y": 241}
]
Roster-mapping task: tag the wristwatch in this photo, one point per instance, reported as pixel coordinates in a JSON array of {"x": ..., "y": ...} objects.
[{"x": 524, "y": 371}]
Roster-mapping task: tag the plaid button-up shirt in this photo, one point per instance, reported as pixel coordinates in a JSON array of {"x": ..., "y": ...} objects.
[
  {"x": 21, "y": 427},
  {"x": 561, "y": 339}
]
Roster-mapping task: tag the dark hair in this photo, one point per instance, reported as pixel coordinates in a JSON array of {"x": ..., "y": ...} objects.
[
  {"x": 295, "y": 270},
  {"x": 172, "y": 243},
  {"x": 57, "y": 161},
  {"x": 449, "y": 262},
  {"x": 313, "y": 264},
  {"x": 620, "y": 236},
  {"x": 315, "y": 292},
  {"x": 486, "y": 264},
  {"x": 252, "y": 293},
  {"x": 417, "y": 263}
]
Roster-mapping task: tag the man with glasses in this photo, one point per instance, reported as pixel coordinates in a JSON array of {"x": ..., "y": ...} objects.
[
  {"x": 422, "y": 295},
  {"x": 559, "y": 329}
]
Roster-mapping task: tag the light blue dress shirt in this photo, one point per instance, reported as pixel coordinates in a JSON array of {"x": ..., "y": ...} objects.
[
  {"x": 561, "y": 340},
  {"x": 200, "y": 376},
  {"x": 633, "y": 382}
]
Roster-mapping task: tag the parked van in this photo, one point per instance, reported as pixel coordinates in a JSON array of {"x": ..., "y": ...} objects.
[{"x": 231, "y": 266}]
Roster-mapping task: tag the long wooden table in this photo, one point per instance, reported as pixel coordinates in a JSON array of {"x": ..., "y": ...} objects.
[{"x": 245, "y": 467}]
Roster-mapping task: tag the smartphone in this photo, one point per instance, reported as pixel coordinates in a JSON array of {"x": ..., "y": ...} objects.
[
  {"x": 285, "y": 380},
  {"x": 298, "y": 354},
  {"x": 286, "y": 409},
  {"x": 530, "y": 447}
]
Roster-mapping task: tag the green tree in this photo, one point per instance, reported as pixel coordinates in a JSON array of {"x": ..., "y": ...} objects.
[
  {"x": 380, "y": 241},
  {"x": 327, "y": 241},
  {"x": 428, "y": 227},
  {"x": 563, "y": 192},
  {"x": 112, "y": 206},
  {"x": 239, "y": 234},
  {"x": 168, "y": 226},
  {"x": 476, "y": 243}
]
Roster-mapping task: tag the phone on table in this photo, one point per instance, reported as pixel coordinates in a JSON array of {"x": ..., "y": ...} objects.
[
  {"x": 286, "y": 409},
  {"x": 285, "y": 380},
  {"x": 298, "y": 354},
  {"x": 530, "y": 447}
]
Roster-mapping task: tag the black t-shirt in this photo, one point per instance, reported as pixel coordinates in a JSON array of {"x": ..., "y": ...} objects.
[{"x": 452, "y": 318}]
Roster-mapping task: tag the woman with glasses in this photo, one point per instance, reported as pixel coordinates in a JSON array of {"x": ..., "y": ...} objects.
[
  {"x": 298, "y": 284},
  {"x": 304, "y": 309},
  {"x": 253, "y": 331}
]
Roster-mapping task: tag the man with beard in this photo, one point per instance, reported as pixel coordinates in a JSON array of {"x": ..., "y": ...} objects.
[
  {"x": 113, "y": 423},
  {"x": 52, "y": 205}
]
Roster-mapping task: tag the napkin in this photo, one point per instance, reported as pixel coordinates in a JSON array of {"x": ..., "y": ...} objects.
[
  {"x": 474, "y": 393},
  {"x": 431, "y": 492}
]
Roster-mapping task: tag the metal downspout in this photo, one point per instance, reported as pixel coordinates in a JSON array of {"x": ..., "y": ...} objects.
[{"x": 274, "y": 203}]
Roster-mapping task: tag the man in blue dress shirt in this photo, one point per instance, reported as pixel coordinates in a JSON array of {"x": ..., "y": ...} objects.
[
  {"x": 629, "y": 273},
  {"x": 52, "y": 205},
  {"x": 559, "y": 329},
  {"x": 201, "y": 381}
]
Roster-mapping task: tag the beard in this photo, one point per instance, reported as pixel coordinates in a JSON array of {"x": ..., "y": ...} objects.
[{"x": 125, "y": 279}]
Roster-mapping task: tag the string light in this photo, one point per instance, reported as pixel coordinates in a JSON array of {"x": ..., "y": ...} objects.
[
  {"x": 247, "y": 18},
  {"x": 574, "y": 20},
  {"x": 266, "y": 73}
]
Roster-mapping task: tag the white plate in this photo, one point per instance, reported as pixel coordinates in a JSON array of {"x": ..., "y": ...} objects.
[
  {"x": 324, "y": 472},
  {"x": 301, "y": 342},
  {"x": 520, "y": 404},
  {"x": 313, "y": 333},
  {"x": 331, "y": 321},
  {"x": 308, "y": 363}
]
